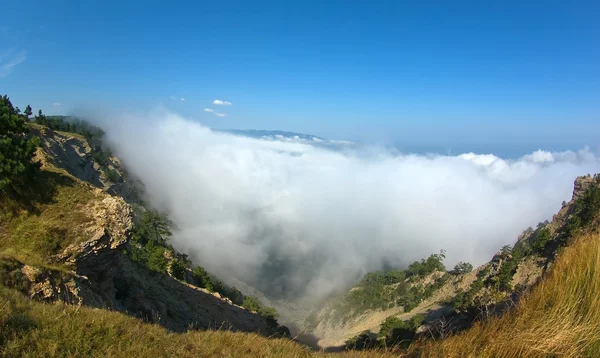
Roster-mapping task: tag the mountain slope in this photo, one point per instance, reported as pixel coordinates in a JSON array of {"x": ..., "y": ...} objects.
[
  {"x": 67, "y": 238},
  {"x": 448, "y": 301},
  {"x": 560, "y": 317},
  {"x": 32, "y": 329}
]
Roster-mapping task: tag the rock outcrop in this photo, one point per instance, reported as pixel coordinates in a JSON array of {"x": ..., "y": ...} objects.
[{"x": 101, "y": 275}]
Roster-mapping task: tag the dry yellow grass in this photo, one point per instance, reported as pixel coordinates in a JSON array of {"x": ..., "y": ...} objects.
[
  {"x": 561, "y": 316},
  {"x": 32, "y": 329}
]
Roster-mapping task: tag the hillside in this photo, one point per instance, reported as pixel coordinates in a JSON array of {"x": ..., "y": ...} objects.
[
  {"x": 86, "y": 269},
  {"x": 560, "y": 317},
  {"x": 34, "y": 329},
  {"x": 426, "y": 300},
  {"x": 79, "y": 232}
]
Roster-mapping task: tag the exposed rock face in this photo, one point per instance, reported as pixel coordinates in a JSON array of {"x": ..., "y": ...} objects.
[
  {"x": 48, "y": 285},
  {"x": 74, "y": 154},
  {"x": 581, "y": 185},
  {"x": 103, "y": 276}
]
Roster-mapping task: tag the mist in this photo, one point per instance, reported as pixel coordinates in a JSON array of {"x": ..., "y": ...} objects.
[{"x": 299, "y": 222}]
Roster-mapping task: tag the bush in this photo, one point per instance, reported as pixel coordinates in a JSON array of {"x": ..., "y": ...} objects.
[
  {"x": 364, "y": 340},
  {"x": 178, "y": 269},
  {"x": 540, "y": 239},
  {"x": 153, "y": 226},
  {"x": 426, "y": 266},
  {"x": 375, "y": 293},
  {"x": 202, "y": 278},
  {"x": 395, "y": 331},
  {"x": 462, "y": 268},
  {"x": 251, "y": 303}
]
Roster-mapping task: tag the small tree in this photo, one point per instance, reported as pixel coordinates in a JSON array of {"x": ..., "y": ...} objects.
[
  {"x": 178, "y": 269},
  {"x": 16, "y": 149},
  {"x": 202, "y": 278},
  {"x": 153, "y": 227},
  {"x": 462, "y": 268},
  {"x": 251, "y": 303},
  {"x": 28, "y": 111}
]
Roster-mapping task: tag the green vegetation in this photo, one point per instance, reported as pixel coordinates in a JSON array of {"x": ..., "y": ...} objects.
[
  {"x": 178, "y": 269},
  {"x": 149, "y": 242},
  {"x": 540, "y": 238},
  {"x": 382, "y": 290},
  {"x": 463, "y": 300},
  {"x": 560, "y": 317},
  {"x": 462, "y": 268},
  {"x": 393, "y": 333},
  {"x": 16, "y": 148},
  {"x": 409, "y": 296},
  {"x": 150, "y": 248},
  {"x": 396, "y": 332},
  {"x": 93, "y": 134},
  {"x": 584, "y": 212},
  {"x": 540, "y": 241}
]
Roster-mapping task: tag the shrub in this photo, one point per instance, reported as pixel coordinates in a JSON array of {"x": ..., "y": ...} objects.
[
  {"x": 178, "y": 269},
  {"x": 540, "y": 239},
  {"x": 395, "y": 331},
  {"x": 462, "y": 268},
  {"x": 202, "y": 278},
  {"x": 251, "y": 303}
]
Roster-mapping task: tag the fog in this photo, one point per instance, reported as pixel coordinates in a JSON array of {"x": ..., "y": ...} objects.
[{"x": 298, "y": 221}]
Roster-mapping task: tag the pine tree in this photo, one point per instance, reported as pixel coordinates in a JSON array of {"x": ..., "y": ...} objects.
[
  {"x": 16, "y": 149},
  {"x": 28, "y": 110}
]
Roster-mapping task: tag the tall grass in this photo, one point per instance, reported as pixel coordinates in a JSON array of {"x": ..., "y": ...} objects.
[
  {"x": 32, "y": 329},
  {"x": 560, "y": 317}
]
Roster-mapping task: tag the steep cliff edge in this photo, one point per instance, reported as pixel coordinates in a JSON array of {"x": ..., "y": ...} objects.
[{"x": 68, "y": 244}]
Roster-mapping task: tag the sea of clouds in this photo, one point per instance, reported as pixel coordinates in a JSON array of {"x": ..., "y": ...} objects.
[{"x": 297, "y": 220}]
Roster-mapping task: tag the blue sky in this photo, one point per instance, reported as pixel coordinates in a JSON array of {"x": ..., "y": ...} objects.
[{"x": 453, "y": 74}]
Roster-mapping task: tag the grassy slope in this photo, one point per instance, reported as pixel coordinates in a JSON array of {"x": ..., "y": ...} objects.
[
  {"x": 36, "y": 228},
  {"x": 32, "y": 329},
  {"x": 560, "y": 317}
]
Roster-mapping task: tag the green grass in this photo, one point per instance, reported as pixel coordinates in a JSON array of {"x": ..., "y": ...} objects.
[{"x": 33, "y": 227}]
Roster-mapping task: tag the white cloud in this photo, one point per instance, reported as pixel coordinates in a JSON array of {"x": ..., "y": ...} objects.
[
  {"x": 307, "y": 220},
  {"x": 9, "y": 60},
  {"x": 182, "y": 99},
  {"x": 218, "y": 114},
  {"x": 56, "y": 104},
  {"x": 218, "y": 102},
  {"x": 540, "y": 156},
  {"x": 209, "y": 110}
]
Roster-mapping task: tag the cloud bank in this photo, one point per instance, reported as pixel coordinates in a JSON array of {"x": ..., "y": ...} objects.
[{"x": 296, "y": 220}]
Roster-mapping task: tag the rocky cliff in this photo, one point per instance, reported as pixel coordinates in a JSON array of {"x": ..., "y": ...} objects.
[{"x": 87, "y": 265}]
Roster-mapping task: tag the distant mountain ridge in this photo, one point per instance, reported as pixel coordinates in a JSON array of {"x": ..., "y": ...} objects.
[
  {"x": 291, "y": 137},
  {"x": 265, "y": 134}
]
